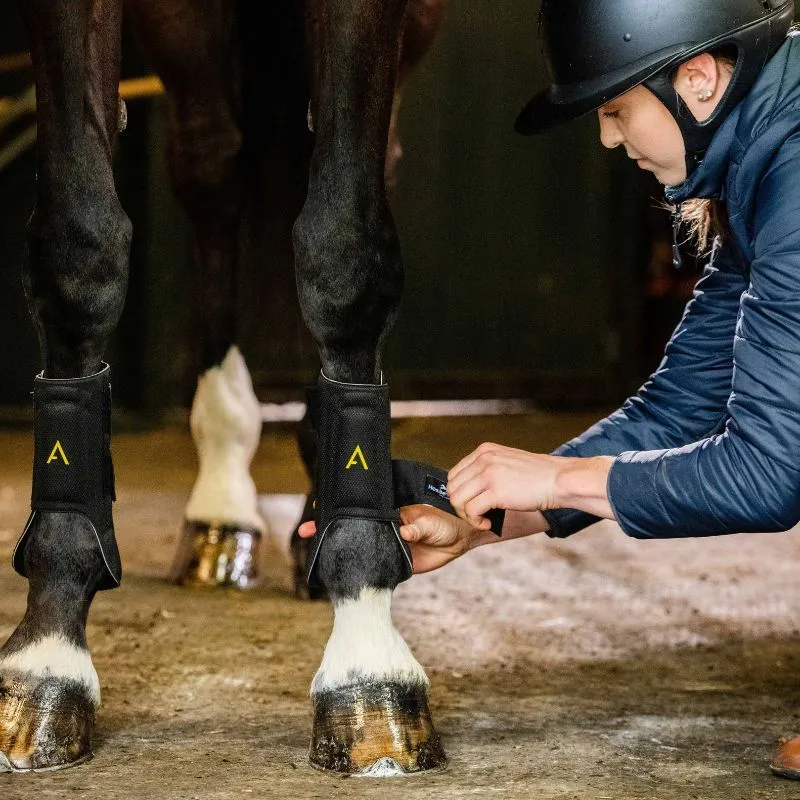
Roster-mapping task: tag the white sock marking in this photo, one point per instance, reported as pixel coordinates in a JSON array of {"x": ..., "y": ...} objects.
[
  {"x": 226, "y": 426},
  {"x": 365, "y": 645},
  {"x": 54, "y": 656}
]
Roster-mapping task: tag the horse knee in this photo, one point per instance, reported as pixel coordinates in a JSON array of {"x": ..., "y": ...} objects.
[
  {"x": 76, "y": 273},
  {"x": 349, "y": 274}
]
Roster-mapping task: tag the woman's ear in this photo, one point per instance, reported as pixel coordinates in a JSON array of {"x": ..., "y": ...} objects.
[{"x": 701, "y": 83}]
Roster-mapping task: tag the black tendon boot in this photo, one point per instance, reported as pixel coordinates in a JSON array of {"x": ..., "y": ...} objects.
[
  {"x": 72, "y": 468},
  {"x": 354, "y": 463}
]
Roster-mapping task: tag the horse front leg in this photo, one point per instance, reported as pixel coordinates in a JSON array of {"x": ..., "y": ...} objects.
[
  {"x": 422, "y": 23},
  {"x": 370, "y": 694},
  {"x": 76, "y": 276}
]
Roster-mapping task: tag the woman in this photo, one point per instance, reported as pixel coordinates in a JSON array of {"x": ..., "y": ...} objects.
[{"x": 706, "y": 95}]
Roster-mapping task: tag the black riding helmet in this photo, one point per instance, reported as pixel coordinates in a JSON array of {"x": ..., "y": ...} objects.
[{"x": 596, "y": 50}]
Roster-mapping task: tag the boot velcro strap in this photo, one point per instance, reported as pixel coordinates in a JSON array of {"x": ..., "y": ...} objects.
[{"x": 417, "y": 483}]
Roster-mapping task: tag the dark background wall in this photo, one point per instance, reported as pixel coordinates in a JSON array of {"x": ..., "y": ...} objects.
[
  {"x": 528, "y": 261},
  {"x": 19, "y": 359},
  {"x": 517, "y": 248}
]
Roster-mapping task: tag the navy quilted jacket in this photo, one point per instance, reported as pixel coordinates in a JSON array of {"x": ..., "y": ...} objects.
[{"x": 711, "y": 443}]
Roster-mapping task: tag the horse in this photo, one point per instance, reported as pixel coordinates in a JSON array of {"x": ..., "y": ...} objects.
[{"x": 370, "y": 694}]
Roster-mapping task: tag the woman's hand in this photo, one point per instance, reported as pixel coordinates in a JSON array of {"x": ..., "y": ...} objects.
[
  {"x": 494, "y": 476},
  {"x": 434, "y": 537}
]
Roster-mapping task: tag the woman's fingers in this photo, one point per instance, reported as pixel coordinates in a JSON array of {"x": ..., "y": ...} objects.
[
  {"x": 486, "y": 459},
  {"x": 469, "y": 460},
  {"x": 461, "y": 466},
  {"x": 464, "y": 494},
  {"x": 473, "y": 492},
  {"x": 409, "y": 514},
  {"x": 410, "y": 533},
  {"x": 462, "y": 491},
  {"x": 435, "y": 538},
  {"x": 474, "y": 476},
  {"x": 476, "y": 508},
  {"x": 431, "y": 526}
]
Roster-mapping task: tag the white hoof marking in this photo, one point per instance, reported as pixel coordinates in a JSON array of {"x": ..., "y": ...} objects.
[
  {"x": 226, "y": 427},
  {"x": 55, "y": 657},
  {"x": 365, "y": 645}
]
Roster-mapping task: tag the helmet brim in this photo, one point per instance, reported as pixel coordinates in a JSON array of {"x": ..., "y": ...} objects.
[
  {"x": 559, "y": 104},
  {"x": 542, "y": 113}
]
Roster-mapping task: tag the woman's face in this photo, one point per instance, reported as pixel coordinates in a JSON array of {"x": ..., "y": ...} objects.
[{"x": 641, "y": 123}]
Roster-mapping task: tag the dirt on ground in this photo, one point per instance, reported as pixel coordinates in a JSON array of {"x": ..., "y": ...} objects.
[{"x": 597, "y": 668}]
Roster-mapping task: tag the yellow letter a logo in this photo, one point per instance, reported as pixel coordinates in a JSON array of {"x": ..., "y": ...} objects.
[
  {"x": 356, "y": 457},
  {"x": 58, "y": 452}
]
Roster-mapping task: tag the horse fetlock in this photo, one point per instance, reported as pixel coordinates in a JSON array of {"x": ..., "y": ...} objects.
[
  {"x": 365, "y": 646},
  {"x": 36, "y": 659}
]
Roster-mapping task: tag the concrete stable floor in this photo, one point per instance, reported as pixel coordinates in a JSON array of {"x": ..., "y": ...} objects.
[{"x": 595, "y": 668}]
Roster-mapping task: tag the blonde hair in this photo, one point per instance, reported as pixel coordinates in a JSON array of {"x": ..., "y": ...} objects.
[{"x": 705, "y": 221}]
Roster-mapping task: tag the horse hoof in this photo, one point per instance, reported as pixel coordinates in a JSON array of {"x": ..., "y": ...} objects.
[
  {"x": 375, "y": 730},
  {"x": 216, "y": 554},
  {"x": 45, "y": 723}
]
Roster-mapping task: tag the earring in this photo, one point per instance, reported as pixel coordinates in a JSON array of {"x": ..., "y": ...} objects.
[{"x": 706, "y": 95}]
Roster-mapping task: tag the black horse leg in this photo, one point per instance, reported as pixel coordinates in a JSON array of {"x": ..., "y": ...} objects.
[
  {"x": 76, "y": 276},
  {"x": 422, "y": 22},
  {"x": 370, "y": 693},
  {"x": 193, "y": 44}
]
